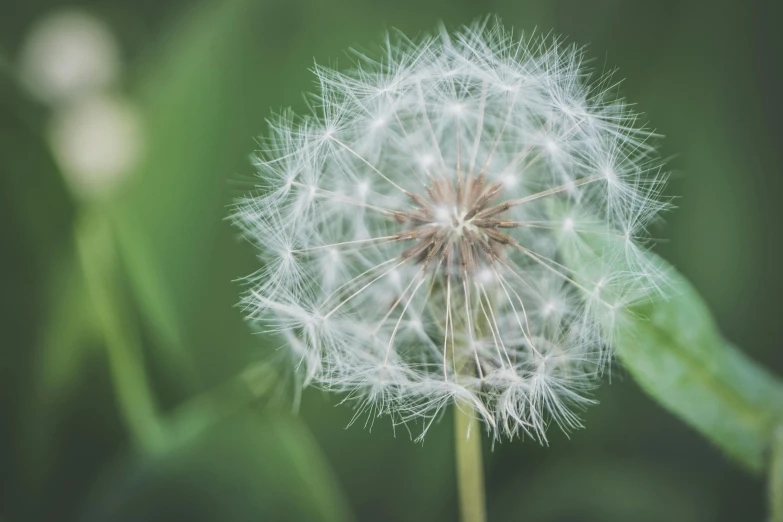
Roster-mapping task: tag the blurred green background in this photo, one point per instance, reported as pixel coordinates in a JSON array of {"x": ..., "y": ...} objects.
[{"x": 131, "y": 389}]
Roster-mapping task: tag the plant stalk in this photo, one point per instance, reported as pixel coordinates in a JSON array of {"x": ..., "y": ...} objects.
[
  {"x": 470, "y": 471},
  {"x": 134, "y": 396}
]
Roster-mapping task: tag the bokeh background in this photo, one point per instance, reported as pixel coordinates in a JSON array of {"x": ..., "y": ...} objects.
[{"x": 130, "y": 388}]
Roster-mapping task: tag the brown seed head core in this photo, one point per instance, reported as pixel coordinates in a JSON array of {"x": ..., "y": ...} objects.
[{"x": 455, "y": 225}]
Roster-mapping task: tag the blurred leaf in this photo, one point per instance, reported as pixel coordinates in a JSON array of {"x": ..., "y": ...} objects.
[
  {"x": 679, "y": 357},
  {"x": 41, "y": 206},
  {"x": 776, "y": 477},
  {"x": 249, "y": 468},
  {"x": 674, "y": 349},
  {"x": 71, "y": 328},
  {"x": 195, "y": 95},
  {"x": 68, "y": 335},
  {"x": 31, "y": 182},
  {"x": 48, "y": 325}
]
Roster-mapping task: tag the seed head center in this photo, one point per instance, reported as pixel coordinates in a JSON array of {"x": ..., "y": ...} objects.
[
  {"x": 455, "y": 224},
  {"x": 462, "y": 224}
]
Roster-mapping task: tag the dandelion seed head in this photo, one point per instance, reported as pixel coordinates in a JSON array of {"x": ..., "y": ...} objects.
[{"x": 412, "y": 228}]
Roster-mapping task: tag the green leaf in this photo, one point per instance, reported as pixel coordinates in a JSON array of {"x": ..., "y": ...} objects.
[
  {"x": 167, "y": 219},
  {"x": 50, "y": 321},
  {"x": 675, "y": 351},
  {"x": 68, "y": 341},
  {"x": 677, "y": 354},
  {"x": 204, "y": 96}
]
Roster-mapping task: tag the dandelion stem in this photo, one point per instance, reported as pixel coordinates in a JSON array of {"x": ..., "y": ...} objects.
[
  {"x": 470, "y": 471},
  {"x": 776, "y": 477}
]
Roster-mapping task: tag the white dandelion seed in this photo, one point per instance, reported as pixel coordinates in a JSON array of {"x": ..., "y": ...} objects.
[{"x": 412, "y": 228}]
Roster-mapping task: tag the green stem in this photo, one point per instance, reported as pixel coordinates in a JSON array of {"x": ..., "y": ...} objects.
[
  {"x": 776, "y": 477},
  {"x": 95, "y": 247},
  {"x": 470, "y": 472}
]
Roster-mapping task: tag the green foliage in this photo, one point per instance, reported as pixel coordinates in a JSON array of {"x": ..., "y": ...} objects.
[
  {"x": 676, "y": 353},
  {"x": 45, "y": 278},
  {"x": 673, "y": 348},
  {"x": 158, "y": 234},
  {"x": 248, "y": 468}
]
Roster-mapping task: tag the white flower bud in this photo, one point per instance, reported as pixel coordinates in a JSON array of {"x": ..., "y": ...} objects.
[
  {"x": 97, "y": 143},
  {"x": 67, "y": 55}
]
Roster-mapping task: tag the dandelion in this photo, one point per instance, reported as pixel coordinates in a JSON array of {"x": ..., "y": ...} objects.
[{"x": 412, "y": 229}]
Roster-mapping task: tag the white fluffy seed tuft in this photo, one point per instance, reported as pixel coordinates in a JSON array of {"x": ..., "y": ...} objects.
[{"x": 412, "y": 228}]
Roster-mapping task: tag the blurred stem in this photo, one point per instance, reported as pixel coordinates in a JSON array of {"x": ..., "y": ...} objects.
[
  {"x": 470, "y": 471},
  {"x": 776, "y": 477},
  {"x": 96, "y": 251},
  {"x": 206, "y": 409}
]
